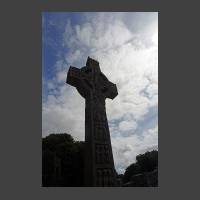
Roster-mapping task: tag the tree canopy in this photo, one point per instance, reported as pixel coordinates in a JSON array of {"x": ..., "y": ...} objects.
[
  {"x": 146, "y": 162},
  {"x": 63, "y": 162}
]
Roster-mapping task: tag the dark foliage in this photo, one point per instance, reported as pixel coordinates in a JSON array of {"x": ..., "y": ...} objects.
[
  {"x": 62, "y": 161},
  {"x": 148, "y": 161},
  {"x": 145, "y": 163},
  {"x": 63, "y": 164}
]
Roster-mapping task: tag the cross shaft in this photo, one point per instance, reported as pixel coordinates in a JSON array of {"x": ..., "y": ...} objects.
[{"x": 93, "y": 85}]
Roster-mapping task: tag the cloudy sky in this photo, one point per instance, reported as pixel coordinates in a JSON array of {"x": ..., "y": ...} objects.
[{"x": 126, "y": 46}]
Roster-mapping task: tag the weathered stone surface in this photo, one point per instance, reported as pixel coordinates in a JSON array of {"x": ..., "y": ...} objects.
[{"x": 93, "y": 85}]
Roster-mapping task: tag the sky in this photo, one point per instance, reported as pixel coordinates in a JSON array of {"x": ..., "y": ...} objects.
[{"x": 126, "y": 46}]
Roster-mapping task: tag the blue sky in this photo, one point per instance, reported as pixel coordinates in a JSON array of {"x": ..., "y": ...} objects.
[{"x": 126, "y": 46}]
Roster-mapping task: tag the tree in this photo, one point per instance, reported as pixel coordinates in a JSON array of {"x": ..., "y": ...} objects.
[
  {"x": 146, "y": 162},
  {"x": 62, "y": 161},
  {"x": 131, "y": 170}
]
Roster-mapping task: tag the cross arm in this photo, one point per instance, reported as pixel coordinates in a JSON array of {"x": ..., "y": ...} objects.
[
  {"x": 73, "y": 76},
  {"x": 110, "y": 90}
]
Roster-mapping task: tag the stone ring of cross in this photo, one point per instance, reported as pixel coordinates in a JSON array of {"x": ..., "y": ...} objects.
[{"x": 90, "y": 80}]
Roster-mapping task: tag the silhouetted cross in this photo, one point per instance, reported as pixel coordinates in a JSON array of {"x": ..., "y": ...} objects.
[{"x": 93, "y": 85}]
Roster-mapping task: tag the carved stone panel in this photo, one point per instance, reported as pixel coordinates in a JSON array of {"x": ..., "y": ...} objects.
[
  {"x": 102, "y": 154},
  {"x": 100, "y": 116},
  {"x": 100, "y": 133},
  {"x": 104, "y": 177}
]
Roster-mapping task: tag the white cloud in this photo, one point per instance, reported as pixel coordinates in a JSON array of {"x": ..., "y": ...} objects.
[
  {"x": 64, "y": 113},
  {"x": 125, "y": 44},
  {"x": 61, "y": 76},
  {"x": 127, "y": 125},
  {"x": 125, "y": 149},
  {"x": 50, "y": 85}
]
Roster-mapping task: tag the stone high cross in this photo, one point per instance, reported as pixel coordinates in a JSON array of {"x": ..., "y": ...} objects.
[{"x": 93, "y": 85}]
